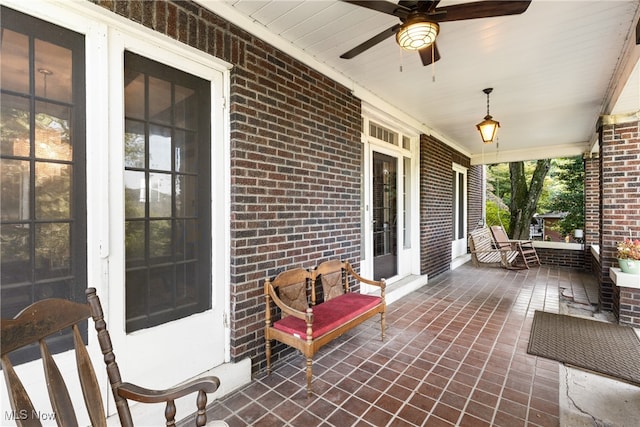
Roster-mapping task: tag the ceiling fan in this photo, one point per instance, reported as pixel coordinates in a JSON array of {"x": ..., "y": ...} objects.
[{"x": 419, "y": 22}]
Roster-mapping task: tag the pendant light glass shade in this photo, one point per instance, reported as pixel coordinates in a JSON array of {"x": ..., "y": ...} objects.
[
  {"x": 488, "y": 127},
  {"x": 417, "y": 34}
]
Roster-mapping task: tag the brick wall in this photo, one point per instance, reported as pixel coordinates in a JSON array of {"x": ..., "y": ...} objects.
[
  {"x": 295, "y": 161},
  {"x": 563, "y": 258},
  {"x": 592, "y": 200},
  {"x": 436, "y": 228},
  {"x": 629, "y": 306},
  {"x": 619, "y": 208},
  {"x": 475, "y": 181}
]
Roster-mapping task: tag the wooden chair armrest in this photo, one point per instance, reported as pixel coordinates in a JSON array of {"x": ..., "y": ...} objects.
[
  {"x": 145, "y": 395},
  {"x": 491, "y": 251},
  {"x": 379, "y": 283}
]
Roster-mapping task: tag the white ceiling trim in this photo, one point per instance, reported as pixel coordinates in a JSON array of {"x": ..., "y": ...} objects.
[{"x": 492, "y": 154}]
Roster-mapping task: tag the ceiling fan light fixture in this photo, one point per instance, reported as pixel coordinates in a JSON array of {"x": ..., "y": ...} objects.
[
  {"x": 417, "y": 34},
  {"x": 488, "y": 127}
]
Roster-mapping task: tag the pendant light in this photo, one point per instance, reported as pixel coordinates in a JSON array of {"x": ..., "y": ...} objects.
[{"x": 488, "y": 127}]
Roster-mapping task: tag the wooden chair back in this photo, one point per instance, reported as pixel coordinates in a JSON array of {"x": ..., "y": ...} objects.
[
  {"x": 292, "y": 288},
  {"x": 500, "y": 237},
  {"x": 33, "y": 325},
  {"x": 49, "y": 317},
  {"x": 332, "y": 276}
]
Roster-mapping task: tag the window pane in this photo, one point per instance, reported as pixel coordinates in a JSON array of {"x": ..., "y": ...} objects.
[
  {"x": 159, "y": 195},
  {"x": 134, "y": 144},
  {"x": 160, "y": 148},
  {"x": 57, "y": 289},
  {"x": 136, "y": 292},
  {"x": 14, "y": 67},
  {"x": 53, "y": 66},
  {"x": 52, "y": 132},
  {"x": 134, "y": 94},
  {"x": 53, "y": 191},
  {"x": 185, "y": 291},
  {"x": 186, "y": 239},
  {"x": 186, "y": 151},
  {"x": 15, "y": 298},
  {"x": 134, "y": 194},
  {"x": 186, "y": 105},
  {"x": 135, "y": 237},
  {"x": 160, "y": 240},
  {"x": 186, "y": 196},
  {"x": 160, "y": 288},
  {"x": 15, "y": 254},
  {"x": 53, "y": 250},
  {"x": 14, "y": 131},
  {"x": 159, "y": 101},
  {"x": 14, "y": 198}
]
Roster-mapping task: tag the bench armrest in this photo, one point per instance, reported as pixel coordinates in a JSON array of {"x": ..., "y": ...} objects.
[{"x": 379, "y": 283}]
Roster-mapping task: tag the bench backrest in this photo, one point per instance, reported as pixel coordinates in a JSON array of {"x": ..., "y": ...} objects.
[
  {"x": 480, "y": 240},
  {"x": 292, "y": 287},
  {"x": 333, "y": 279},
  {"x": 300, "y": 289}
]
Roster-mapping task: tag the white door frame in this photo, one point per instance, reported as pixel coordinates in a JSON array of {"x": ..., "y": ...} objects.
[
  {"x": 459, "y": 244},
  {"x": 408, "y": 257}
]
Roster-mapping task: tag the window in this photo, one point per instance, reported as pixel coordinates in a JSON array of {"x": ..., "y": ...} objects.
[
  {"x": 383, "y": 134},
  {"x": 167, "y": 193},
  {"x": 459, "y": 202},
  {"x": 42, "y": 166},
  {"x": 406, "y": 202}
]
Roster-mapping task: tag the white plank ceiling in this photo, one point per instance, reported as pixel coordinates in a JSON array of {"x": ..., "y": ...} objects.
[{"x": 554, "y": 69}]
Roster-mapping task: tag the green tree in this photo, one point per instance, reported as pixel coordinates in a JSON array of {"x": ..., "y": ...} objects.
[
  {"x": 568, "y": 194},
  {"x": 525, "y": 195}
]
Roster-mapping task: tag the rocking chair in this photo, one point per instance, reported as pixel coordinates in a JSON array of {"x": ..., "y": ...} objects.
[
  {"x": 526, "y": 251},
  {"x": 48, "y": 317}
]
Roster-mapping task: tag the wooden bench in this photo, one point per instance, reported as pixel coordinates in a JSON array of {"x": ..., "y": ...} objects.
[
  {"x": 484, "y": 250},
  {"x": 305, "y": 321}
]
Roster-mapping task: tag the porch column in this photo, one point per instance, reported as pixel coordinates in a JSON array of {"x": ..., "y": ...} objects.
[
  {"x": 591, "y": 209},
  {"x": 619, "y": 208}
]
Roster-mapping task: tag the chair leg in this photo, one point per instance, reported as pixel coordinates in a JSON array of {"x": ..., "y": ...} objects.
[
  {"x": 382, "y": 324},
  {"x": 309, "y": 375},
  {"x": 201, "y": 403},
  {"x": 267, "y": 343}
]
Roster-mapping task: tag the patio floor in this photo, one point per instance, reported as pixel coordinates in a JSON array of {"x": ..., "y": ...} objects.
[{"x": 454, "y": 354}]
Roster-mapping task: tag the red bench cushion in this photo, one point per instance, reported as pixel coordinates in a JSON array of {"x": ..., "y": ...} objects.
[{"x": 329, "y": 315}]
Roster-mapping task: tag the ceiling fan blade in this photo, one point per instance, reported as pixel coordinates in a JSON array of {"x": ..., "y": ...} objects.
[
  {"x": 482, "y": 9},
  {"x": 425, "y": 54},
  {"x": 383, "y": 6},
  {"x": 371, "y": 42}
]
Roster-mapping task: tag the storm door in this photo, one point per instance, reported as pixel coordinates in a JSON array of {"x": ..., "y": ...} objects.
[{"x": 384, "y": 216}]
